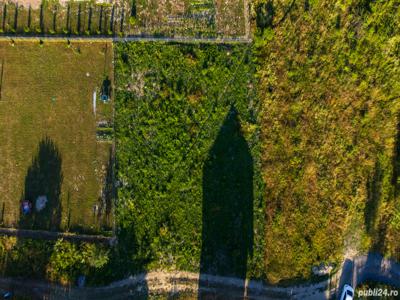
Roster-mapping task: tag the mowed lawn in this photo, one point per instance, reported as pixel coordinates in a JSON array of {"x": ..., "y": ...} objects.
[{"x": 48, "y": 140}]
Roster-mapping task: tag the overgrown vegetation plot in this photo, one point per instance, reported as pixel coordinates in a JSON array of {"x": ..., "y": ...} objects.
[
  {"x": 50, "y": 141},
  {"x": 330, "y": 95},
  {"x": 187, "y": 156}
]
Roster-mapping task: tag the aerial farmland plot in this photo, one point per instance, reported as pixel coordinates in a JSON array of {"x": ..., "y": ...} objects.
[
  {"x": 204, "y": 18},
  {"x": 121, "y": 18},
  {"x": 35, "y": 17},
  {"x": 56, "y": 135}
]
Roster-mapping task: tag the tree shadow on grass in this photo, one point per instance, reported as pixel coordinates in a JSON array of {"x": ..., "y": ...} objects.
[
  {"x": 374, "y": 187},
  {"x": 125, "y": 259},
  {"x": 106, "y": 87},
  {"x": 124, "y": 263},
  {"x": 227, "y": 234},
  {"x": 104, "y": 216},
  {"x": 44, "y": 178},
  {"x": 396, "y": 161},
  {"x": 266, "y": 12},
  {"x": 378, "y": 226}
]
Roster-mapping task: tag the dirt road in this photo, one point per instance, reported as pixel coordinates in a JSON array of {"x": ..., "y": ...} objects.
[{"x": 369, "y": 267}]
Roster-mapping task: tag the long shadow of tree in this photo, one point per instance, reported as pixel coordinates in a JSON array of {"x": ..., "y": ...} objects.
[
  {"x": 124, "y": 261},
  {"x": 396, "y": 161},
  {"x": 377, "y": 227},
  {"x": 44, "y": 178},
  {"x": 378, "y": 230},
  {"x": 124, "y": 258},
  {"x": 395, "y": 182},
  {"x": 374, "y": 187},
  {"x": 108, "y": 194},
  {"x": 227, "y": 233}
]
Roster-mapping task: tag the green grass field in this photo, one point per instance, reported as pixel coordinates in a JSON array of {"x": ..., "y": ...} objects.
[{"x": 48, "y": 141}]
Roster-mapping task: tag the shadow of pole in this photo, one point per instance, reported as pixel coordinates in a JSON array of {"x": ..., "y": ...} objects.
[{"x": 227, "y": 233}]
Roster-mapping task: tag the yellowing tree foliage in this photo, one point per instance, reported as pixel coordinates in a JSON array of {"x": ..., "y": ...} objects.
[{"x": 329, "y": 84}]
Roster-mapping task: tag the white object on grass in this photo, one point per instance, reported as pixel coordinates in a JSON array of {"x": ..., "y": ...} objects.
[
  {"x": 94, "y": 102},
  {"x": 41, "y": 202}
]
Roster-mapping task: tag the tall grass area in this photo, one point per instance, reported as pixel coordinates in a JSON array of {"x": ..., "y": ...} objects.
[
  {"x": 48, "y": 133},
  {"x": 330, "y": 93},
  {"x": 178, "y": 107}
]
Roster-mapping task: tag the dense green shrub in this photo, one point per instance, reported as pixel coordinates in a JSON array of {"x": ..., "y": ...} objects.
[
  {"x": 69, "y": 260},
  {"x": 16, "y": 257},
  {"x": 58, "y": 261},
  {"x": 171, "y": 102}
]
